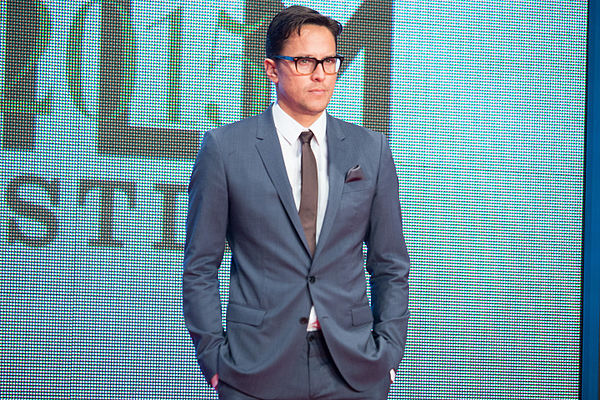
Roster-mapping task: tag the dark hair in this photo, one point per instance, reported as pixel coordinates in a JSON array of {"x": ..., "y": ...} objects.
[{"x": 291, "y": 20}]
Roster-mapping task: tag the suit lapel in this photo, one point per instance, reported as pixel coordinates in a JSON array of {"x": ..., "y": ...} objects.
[
  {"x": 339, "y": 153},
  {"x": 269, "y": 149}
]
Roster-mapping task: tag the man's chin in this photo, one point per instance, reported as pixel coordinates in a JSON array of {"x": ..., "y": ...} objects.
[{"x": 318, "y": 107}]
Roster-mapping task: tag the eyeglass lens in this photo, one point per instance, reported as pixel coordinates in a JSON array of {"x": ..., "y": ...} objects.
[{"x": 306, "y": 65}]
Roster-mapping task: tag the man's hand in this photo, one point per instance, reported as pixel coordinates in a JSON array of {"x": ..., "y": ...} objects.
[{"x": 214, "y": 381}]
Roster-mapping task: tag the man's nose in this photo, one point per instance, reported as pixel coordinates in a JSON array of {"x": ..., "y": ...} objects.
[{"x": 319, "y": 72}]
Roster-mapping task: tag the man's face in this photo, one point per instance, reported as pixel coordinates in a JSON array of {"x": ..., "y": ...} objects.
[{"x": 304, "y": 97}]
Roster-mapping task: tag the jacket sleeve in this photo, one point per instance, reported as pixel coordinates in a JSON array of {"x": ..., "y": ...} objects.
[
  {"x": 387, "y": 260},
  {"x": 206, "y": 228}
]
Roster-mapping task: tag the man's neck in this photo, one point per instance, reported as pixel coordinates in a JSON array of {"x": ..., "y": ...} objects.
[{"x": 306, "y": 120}]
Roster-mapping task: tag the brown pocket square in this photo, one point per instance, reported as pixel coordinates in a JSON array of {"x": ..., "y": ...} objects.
[{"x": 354, "y": 174}]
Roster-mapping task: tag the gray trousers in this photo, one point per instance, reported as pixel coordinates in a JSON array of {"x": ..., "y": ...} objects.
[{"x": 322, "y": 380}]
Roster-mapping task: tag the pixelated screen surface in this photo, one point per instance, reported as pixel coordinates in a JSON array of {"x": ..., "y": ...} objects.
[{"x": 103, "y": 107}]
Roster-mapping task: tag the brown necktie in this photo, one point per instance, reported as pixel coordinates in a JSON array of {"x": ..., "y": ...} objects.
[{"x": 309, "y": 192}]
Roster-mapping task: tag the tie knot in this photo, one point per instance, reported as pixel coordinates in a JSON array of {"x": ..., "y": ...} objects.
[{"x": 306, "y": 136}]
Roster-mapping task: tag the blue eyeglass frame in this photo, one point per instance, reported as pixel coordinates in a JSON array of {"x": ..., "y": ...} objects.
[{"x": 338, "y": 57}]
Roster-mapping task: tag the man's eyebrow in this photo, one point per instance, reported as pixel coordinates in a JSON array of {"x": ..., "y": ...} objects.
[{"x": 316, "y": 57}]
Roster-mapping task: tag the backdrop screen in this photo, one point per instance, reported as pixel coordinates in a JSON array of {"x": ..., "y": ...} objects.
[{"x": 103, "y": 107}]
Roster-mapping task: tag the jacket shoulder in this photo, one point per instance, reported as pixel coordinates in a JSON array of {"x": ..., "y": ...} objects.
[
  {"x": 243, "y": 128},
  {"x": 357, "y": 133}
]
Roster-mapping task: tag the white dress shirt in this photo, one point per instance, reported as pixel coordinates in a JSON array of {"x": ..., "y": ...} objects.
[{"x": 288, "y": 131}]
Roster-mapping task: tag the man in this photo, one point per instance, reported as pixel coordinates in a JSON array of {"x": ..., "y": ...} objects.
[{"x": 296, "y": 192}]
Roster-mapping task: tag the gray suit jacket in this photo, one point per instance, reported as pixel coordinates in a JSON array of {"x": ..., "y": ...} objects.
[{"x": 239, "y": 191}]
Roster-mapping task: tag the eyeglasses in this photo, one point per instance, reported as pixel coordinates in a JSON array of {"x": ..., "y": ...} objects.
[{"x": 308, "y": 65}]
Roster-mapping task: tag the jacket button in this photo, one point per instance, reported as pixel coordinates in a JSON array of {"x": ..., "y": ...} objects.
[
  {"x": 303, "y": 321},
  {"x": 312, "y": 279}
]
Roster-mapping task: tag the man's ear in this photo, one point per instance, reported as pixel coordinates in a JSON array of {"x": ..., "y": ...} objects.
[{"x": 271, "y": 70}]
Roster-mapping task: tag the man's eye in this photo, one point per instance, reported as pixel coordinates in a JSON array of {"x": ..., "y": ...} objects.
[
  {"x": 304, "y": 61},
  {"x": 329, "y": 60}
]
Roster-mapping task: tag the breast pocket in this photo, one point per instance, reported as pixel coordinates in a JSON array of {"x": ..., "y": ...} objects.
[
  {"x": 356, "y": 186},
  {"x": 355, "y": 205}
]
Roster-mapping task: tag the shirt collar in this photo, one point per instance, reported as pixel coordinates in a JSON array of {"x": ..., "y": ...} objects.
[{"x": 290, "y": 129}]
